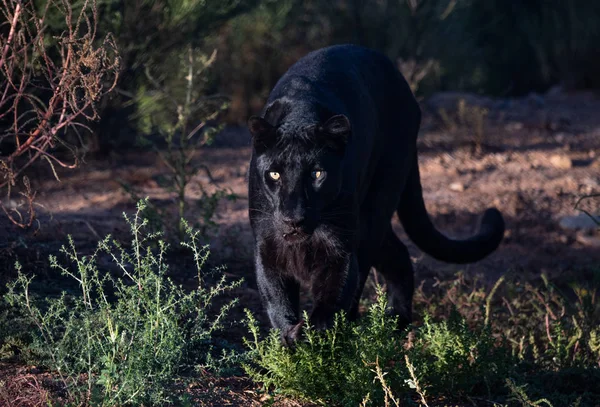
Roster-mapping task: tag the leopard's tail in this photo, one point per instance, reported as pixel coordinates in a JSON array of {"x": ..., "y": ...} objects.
[{"x": 422, "y": 232}]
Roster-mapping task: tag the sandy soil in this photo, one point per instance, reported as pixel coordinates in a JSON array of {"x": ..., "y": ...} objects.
[{"x": 540, "y": 155}]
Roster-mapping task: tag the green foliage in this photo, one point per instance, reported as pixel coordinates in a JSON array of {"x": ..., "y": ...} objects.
[
  {"x": 178, "y": 103},
  {"x": 531, "y": 45},
  {"x": 340, "y": 365},
  {"x": 552, "y": 327},
  {"x": 15, "y": 332},
  {"x": 125, "y": 337},
  {"x": 551, "y": 332},
  {"x": 556, "y": 331},
  {"x": 155, "y": 38},
  {"x": 451, "y": 358},
  {"x": 177, "y": 110},
  {"x": 515, "y": 345},
  {"x": 330, "y": 367},
  {"x": 488, "y": 46},
  {"x": 519, "y": 395}
]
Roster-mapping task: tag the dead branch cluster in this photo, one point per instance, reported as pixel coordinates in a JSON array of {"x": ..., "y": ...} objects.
[{"x": 50, "y": 82}]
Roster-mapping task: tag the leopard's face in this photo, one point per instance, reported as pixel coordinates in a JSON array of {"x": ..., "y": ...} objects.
[{"x": 300, "y": 175}]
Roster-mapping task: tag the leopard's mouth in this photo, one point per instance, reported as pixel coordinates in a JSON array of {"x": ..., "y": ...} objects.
[{"x": 295, "y": 236}]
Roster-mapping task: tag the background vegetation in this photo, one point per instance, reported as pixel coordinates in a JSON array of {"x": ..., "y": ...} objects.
[{"x": 486, "y": 46}]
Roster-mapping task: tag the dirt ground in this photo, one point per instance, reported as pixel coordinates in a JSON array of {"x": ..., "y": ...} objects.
[{"x": 540, "y": 154}]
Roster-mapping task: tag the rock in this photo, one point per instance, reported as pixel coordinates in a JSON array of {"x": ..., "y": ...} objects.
[
  {"x": 480, "y": 166},
  {"x": 591, "y": 182},
  {"x": 503, "y": 158},
  {"x": 591, "y": 241},
  {"x": 454, "y": 172},
  {"x": 561, "y": 162},
  {"x": 579, "y": 222},
  {"x": 457, "y": 187}
]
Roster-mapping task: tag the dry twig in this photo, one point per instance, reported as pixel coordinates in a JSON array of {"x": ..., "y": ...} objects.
[{"x": 49, "y": 84}]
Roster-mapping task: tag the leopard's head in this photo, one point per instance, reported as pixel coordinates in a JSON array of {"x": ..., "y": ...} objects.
[{"x": 299, "y": 169}]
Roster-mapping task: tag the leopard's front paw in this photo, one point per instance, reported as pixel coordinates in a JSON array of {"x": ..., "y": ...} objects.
[{"x": 290, "y": 335}]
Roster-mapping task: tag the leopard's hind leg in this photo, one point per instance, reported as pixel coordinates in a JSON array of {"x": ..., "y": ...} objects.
[{"x": 395, "y": 265}]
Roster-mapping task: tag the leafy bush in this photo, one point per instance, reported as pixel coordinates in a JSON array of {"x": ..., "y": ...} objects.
[
  {"x": 342, "y": 364},
  {"x": 534, "y": 44},
  {"x": 552, "y": 332},
  {"x": 488, "y": 46},
  {"x": 451, "y": 358},
  {"x": 542, "y": 323},
  {"x": 518, "y": 344},
  {"x": 153, "y": 36},
  {"x": 329, "y": 367},
  {"x": 123, "y": 340}
]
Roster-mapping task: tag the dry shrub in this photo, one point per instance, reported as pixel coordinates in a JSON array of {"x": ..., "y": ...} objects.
[{"x": 49, "y": 84}]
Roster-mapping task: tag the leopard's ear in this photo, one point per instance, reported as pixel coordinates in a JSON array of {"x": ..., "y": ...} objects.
[
  {"x": 263, "y": 134},
  {"x": 337, "y": 131}
]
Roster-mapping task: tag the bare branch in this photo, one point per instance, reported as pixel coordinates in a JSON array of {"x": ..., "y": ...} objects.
[{"x": 43, "y": 97}]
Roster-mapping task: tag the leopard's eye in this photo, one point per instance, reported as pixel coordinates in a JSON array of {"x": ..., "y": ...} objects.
[
  {"x": 316, "y": 174},
  {"x": 274, "y": 175}
]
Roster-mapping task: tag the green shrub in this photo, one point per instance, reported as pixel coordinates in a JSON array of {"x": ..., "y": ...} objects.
[
  {"x": 123, "y": 340},
  {"x": 177, "y": 109},
  {"x": 450, "y": 358},
  {"x": 516, "y": 344},
  {"x": 152, "y": 36},
  {"x": 541, "y": 323},
  {"x": 552, "y": 332},
  {"x": 341, "y": 365},
  {"x": 327, "y": 367}
]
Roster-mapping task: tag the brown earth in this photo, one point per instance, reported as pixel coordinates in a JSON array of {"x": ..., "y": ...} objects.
[{"x": 538, "y": 156}]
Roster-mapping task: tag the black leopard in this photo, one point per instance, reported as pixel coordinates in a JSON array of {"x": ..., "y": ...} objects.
[{"x": 334, "y": 156}]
